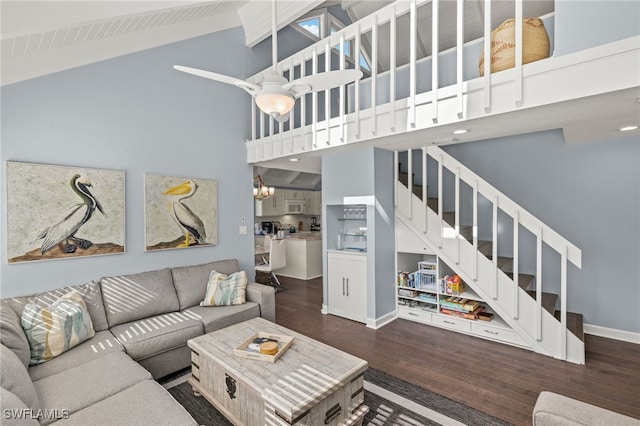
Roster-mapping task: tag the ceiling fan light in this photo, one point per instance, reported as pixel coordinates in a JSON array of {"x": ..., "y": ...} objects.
[{"x": 279, "y": 103}]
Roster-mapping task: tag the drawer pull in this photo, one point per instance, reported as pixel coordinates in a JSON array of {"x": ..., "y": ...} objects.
[
  {"x": 332, "y": 413},
  {"x": 413, "y": 313},
  {"x": 491, "y": 332},
  {"x": 449, "y": 322}
]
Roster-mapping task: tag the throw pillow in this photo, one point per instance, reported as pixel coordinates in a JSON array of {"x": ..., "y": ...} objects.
[
  {"x": 54, "y": 329},
  {"x": 225, "y": 290}
]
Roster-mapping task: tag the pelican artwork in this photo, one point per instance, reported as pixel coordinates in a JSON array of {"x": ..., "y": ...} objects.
[
  {"x": 190, "y": 224},
  {"x": 65, "y": 230}
]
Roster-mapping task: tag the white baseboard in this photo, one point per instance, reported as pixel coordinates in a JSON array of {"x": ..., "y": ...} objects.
[
  {"x": 383, "y": 320},
  {"x": 612, "y": 333},
  {"x": 325, "y": 309}
]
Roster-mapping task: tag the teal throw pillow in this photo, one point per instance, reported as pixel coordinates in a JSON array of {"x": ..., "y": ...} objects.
[
  {"x": 54, "y": 329},
  {"x": 225, "y": 290}
]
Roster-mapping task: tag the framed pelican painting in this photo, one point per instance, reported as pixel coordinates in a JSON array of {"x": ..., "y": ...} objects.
[
  {"x": 180, "y": 212},
  {"x": 60, "y": 212}
]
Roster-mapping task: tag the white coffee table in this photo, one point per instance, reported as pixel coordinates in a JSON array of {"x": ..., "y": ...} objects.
[{"x": 310, "y": 384}]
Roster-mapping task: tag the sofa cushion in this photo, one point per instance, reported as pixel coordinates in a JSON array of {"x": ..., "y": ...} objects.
[
  {"x": 226, "y": 290},
  {"x": 191, "y": 281},
  {"x": 215, "y": 318},
  {"x": 14, "y": 411},
  {"x": 15, "y": 379},
  {"x": 100, "y": 344},
  {"x": 55, "y": 329},
  {"x": 132, "y": 297},
  {"x": 82, "y": 386},
  {"x": 91, "y": 294},
  {"x": 146, "y": 403},
  {"x": 157, "y": 334},
  {"x": 553, "y": 409},
  {"x": 11, "y": 333}
]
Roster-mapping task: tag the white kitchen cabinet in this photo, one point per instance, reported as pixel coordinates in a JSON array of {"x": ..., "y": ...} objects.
[
  {"x": 315, "y": 203},
  {"x": 347, "y": 285},
  {"x": 272, "y": 206}
]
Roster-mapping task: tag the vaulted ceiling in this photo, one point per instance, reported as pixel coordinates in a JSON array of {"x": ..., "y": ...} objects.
[{"x": 45, "y": 36}]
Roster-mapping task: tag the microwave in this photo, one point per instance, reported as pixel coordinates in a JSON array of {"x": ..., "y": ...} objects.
[{"x": 294, "y": 206}]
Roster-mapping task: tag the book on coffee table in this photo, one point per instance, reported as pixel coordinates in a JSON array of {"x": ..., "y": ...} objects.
[{"x": 250, "y": 348}]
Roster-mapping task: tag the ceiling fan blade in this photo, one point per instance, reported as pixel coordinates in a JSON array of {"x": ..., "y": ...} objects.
[
  {"x": 249, "y": 87},
  {"x": 322, "y": 81}
]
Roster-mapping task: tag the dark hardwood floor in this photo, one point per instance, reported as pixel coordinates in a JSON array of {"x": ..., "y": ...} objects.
[{"x": 498, "y": 379}]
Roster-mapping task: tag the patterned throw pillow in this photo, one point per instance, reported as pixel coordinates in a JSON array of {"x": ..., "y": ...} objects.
[
  {"x": 225, "y": 290},
  {"x": 54, "y": 329}
]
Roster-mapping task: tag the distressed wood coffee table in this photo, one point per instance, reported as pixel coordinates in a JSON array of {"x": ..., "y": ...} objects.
[{"x": 310, "y": 384}]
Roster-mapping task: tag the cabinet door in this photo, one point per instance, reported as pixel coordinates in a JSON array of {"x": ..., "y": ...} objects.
[
  {"x": 337, "y": 282},
  {"x": 315, "y": 203},
  {"x": 357, "y": 287}
]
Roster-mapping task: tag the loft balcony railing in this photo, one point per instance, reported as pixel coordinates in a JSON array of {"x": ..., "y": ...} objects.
[{"x": 403, "y": 98}]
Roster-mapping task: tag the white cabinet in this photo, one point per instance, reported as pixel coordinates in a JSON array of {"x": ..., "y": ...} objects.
[
  {"x": 295, "y": 194},
  {"x": 272, "y": 206},
  {"x": 315, "y": 203},
  {"x": 347, "y": 285}
]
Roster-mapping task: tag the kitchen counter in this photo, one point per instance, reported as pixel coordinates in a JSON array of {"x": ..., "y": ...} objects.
[{"x": 304, "y": 255}]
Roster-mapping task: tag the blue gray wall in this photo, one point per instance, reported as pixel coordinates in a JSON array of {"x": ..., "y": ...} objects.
[
  {"x": 588, "y": 192},
  {"x": 135, "y": 113},
  {"x": 584, "y": 24}
]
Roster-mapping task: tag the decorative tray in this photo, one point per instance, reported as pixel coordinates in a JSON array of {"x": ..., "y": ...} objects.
[{"x": 250, "y": 347}]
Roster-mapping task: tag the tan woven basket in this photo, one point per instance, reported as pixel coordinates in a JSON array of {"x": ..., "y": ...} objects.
[{"x": 503, "y": 53}]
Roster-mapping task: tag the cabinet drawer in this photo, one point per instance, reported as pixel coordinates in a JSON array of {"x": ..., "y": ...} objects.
[
  {"x": 497, "y": 333},
  {"x": 451, "y": 322},
  {"x": 414, "y": 314}
]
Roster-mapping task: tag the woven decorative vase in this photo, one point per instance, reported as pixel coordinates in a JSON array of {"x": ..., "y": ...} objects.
[{"x": 503, "y": 53}]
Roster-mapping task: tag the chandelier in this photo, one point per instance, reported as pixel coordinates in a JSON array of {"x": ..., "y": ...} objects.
[{"x": 260, "y": 190}]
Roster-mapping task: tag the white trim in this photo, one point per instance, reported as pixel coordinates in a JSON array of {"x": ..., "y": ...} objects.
[
  {"x": 383, "y": 320},
  {"x": 612, "y": 333}
]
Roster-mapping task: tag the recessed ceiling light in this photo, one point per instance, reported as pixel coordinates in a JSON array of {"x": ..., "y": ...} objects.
[
  {"x": 293, "y": 159},
  {"x": 460, "y": 131},
  {"x": 627, "y": 128}
]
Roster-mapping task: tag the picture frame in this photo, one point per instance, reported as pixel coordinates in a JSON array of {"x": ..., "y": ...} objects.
[
  {"x": 180, "y": 212},
  {"x": 62, "y": 212}
]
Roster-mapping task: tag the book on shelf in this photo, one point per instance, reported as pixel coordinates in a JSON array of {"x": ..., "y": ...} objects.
[{"x": 468, "y": 315}]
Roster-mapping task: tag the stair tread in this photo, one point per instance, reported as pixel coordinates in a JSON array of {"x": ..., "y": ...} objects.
[
  {"x": 575, "y": 323},
  {"x": 548, "y": 300},
  {"x": 524, "y": 280}
]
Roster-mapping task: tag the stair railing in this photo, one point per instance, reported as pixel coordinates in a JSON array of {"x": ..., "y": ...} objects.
[{"x": 521, "y": 217}]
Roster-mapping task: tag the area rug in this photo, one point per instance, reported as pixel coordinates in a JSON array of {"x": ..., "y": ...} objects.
[{"x": 391, "y": 401}]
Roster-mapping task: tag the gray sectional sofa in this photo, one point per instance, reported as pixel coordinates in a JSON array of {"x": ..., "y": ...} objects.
[{"x": 142, "y": 323}]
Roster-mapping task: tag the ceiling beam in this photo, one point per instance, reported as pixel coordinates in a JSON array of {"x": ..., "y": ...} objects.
[{"x": 293, "y": 176}]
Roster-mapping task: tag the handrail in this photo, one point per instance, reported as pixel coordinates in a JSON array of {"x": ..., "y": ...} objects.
[{"x": 510, "y": 207}]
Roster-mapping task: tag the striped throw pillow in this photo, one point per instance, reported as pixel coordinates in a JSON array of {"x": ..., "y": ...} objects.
[
  {"x": 54, "y": 329},
  {"x": 225, "y": 290}
]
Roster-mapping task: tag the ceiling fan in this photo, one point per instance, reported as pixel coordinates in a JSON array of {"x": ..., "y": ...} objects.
[{"x": 274, "y": 94}]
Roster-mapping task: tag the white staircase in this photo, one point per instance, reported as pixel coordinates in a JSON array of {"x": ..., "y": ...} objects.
[{"x": 493, "y": 272}]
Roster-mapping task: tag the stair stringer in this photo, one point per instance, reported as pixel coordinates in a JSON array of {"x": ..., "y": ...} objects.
[{"x": 496, "y": 288}]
